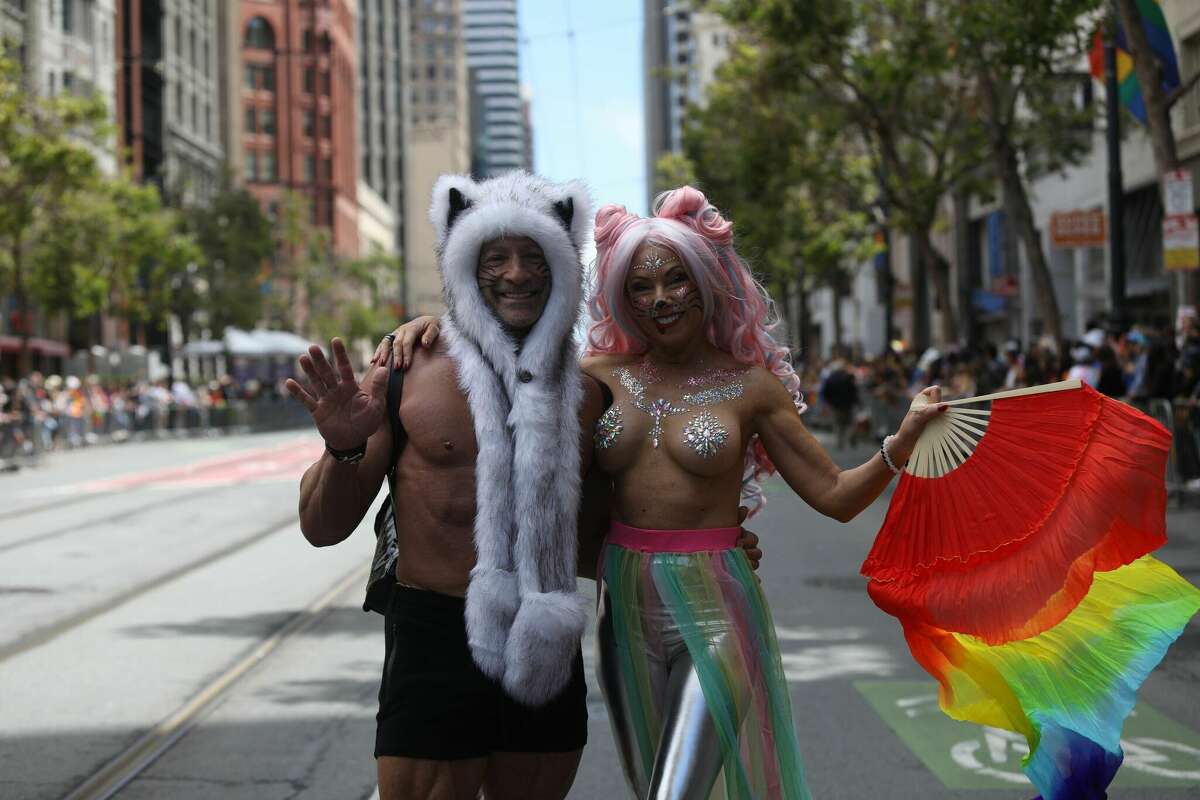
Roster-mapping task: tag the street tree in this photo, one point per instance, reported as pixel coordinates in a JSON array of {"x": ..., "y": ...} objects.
[
  {"x": 1149, "y": 69},
  {"x": 798, "y": 191},
  {"x": 113, "y": 249},
  {"x": 225, "y": 285},
  {"x": 47, "y": 171},
  {"x": 887, "y": 68},
  {"x": 1023, "y": 61}
]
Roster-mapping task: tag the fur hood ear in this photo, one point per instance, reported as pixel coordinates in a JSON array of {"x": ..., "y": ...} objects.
[{"x": 515, "y": 188}]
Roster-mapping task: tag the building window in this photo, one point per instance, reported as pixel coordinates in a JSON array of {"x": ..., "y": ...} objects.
[
  {"x": 251, "y": 165},
  {"x": 327, "y": 170},
  {"x": 310, "y": 168},
  {"x": 366, "y": 168},
  {"x": 267, "y": 116},
  {"x": 259, "y": 35},
  {"x": 269, "y": 171},
  {"x": 192, "y": 55},
  {"x": 326, "y": 126},
  {"x": 325, "y": 83},
  {"x": 309, "y": 79},
  {"x": 68, "y": 16},
  {"x": 308, "y": 122},
  {"x": 307, "y": 40},
  {"x": 207, "y": 121},
  {"x": 260, "y": 78},
  {"x": 204, "y": 53}
]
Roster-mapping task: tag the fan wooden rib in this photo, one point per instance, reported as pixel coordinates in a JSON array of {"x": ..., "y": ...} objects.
[{"x": 951, "y": 438}]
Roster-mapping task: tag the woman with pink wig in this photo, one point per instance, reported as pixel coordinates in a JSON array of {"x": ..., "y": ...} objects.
[{"x": 705, "y": 403}]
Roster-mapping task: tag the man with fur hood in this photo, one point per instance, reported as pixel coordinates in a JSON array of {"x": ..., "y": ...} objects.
[{"x": 483, "y": 678}]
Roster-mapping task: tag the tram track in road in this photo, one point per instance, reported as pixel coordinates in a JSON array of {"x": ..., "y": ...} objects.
[
  {"x": 61, "y": 502},
  {"x": 41, "y": 636},
  {"x": 114, "y": 517},
  {"x": 107, "y": 488},
  {"x": 139, "y": 756}
]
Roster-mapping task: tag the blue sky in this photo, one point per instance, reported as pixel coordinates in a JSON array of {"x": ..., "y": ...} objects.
[{"x": 594, "y": 132}]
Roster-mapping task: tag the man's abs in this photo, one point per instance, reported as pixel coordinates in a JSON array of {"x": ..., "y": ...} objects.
[{"x": 435, "y": 479}]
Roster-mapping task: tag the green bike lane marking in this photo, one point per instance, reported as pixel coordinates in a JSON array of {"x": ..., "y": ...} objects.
[{"x": 1159, "y": 752}]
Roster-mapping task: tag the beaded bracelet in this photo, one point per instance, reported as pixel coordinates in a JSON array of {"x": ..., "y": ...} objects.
[{"x": 887, "y": 459}]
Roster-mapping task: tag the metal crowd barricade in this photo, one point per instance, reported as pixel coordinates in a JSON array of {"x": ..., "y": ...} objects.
[{"x": 1180, "y": 420}]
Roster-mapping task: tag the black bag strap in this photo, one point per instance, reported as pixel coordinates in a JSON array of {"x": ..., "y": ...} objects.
[{"x": 395, "y": 391}]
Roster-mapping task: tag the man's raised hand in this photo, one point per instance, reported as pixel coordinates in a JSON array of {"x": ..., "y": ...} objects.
[{"x": 345, "y": 412}]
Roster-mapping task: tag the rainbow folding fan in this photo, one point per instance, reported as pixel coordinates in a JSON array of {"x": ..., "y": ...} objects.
[{"x": 1014, "y": 554}]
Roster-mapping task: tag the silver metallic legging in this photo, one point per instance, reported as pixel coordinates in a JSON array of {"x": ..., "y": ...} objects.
[{"x": 687, "y": 760}]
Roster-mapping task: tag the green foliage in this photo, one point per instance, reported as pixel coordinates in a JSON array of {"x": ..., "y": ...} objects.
[
  {"x": 1025, "y": 63},
  {"x": 73, "y": 240},
  {"x": 324, "y": 294},
  {"x": 770, "y": 156},
  {"x": 236, "y": 241}
]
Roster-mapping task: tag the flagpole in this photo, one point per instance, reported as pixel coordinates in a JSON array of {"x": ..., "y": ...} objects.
[{"x": 1116, "y": 188}]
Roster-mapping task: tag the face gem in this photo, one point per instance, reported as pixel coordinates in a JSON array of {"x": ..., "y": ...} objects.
[
  {"x": 653, "y": 262},
  {"x": 705, "y": 434},
  {"x": 608, "y": 428}
]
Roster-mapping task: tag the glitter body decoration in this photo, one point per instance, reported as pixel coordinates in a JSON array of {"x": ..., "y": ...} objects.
[
  {"x": 660, "y": 407},
  {"x": 649, "y": 372},
  {"x": 712, "y": 376},
  {"x": 717, "y": 394},
  {"x": 608, "y": 428},
  {"x": 705, "y": 434}
]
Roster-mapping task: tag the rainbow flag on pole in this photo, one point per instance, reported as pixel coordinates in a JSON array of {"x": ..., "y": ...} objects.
[{"x": 1130, "y": 92}]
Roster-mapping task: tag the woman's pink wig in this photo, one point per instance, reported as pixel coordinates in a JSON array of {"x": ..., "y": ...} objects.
[{"x": 739, "y": 315}]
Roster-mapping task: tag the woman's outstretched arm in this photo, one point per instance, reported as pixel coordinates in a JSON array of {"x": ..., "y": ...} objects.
[{"x": 808, "y": 469}]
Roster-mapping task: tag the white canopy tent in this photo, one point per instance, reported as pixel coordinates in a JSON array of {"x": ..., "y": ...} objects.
[{"x": 249, "y": 344}]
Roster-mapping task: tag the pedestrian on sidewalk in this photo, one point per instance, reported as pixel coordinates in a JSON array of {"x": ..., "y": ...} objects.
[{"x": 840, "y": 392}]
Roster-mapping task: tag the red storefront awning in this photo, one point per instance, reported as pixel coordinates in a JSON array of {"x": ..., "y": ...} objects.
[{"x": 46, "y": 347}]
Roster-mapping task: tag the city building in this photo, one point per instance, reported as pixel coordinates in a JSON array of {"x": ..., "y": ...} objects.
[
  {"x": 499, "y": 122},
  {"x": 294, "y": 123},
  {"x": 382, "y": 36},
  {"x": 437, "y": 138},
  {"x": 170, "y": 93},
  {"x": 68, "y": 46},
  {"x": 682, "y": 48}
]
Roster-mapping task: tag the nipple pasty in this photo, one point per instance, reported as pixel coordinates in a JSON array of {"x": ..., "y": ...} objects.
[{"x": 1014, "y": 554}]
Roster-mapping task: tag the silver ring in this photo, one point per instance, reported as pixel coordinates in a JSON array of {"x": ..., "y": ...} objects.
[{"x": 391, "y": 337}]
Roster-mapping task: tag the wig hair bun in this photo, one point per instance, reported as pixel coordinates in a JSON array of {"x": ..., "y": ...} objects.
[
  {"x": 689, "y": 206},
  {"x": 610, "y": 219}
]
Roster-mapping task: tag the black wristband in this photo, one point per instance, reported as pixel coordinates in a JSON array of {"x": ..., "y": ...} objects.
[{"x": 351, "y": 456}]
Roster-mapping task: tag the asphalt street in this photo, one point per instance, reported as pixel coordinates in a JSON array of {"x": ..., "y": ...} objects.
[{"x": 167, "y": 628}]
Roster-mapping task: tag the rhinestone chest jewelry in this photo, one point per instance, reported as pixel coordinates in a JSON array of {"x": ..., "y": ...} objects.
[
  {"x": 660, "y": 407},
  {"x": 705, "y": 434},
  {"x": 608, "y": 428}
]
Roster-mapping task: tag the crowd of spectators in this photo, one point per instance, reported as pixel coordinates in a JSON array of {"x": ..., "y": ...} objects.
[
  {"x": 41, "y": 414},
  {"x": 1156, "y": 369}
]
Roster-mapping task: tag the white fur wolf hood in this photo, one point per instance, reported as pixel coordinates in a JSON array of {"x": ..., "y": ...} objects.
[{"x": 524, "y": 617}]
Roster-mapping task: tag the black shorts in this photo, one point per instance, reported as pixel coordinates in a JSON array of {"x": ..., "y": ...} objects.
[{"x": 435, "y": 703}]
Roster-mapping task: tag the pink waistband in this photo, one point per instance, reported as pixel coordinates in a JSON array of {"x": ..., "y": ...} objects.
[{"x": 659, "y": 541}]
